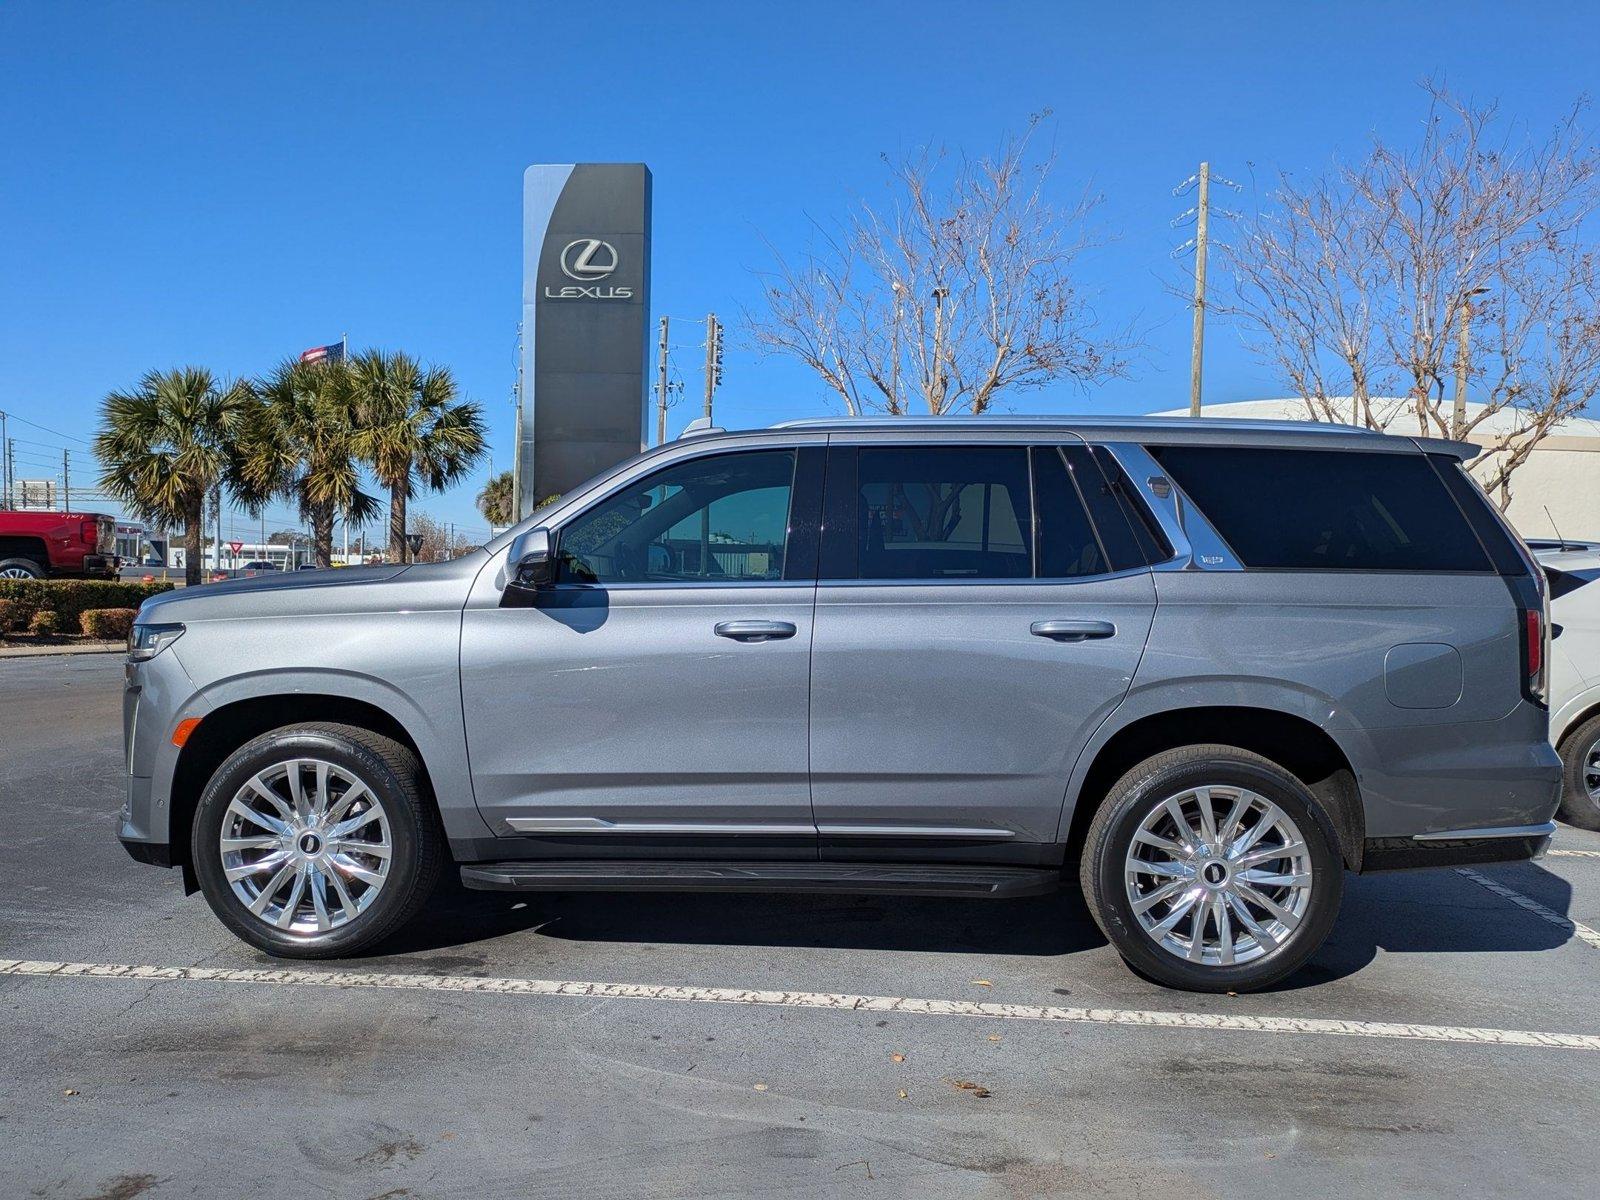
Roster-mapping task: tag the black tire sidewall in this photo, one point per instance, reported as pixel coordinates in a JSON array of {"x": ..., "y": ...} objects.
[
  {"x": 406, "y": 829},
  {"x": 38, "y": 571},
  {"x": 1577, "y": 809},
  {"x": 1130, "y": 802}
]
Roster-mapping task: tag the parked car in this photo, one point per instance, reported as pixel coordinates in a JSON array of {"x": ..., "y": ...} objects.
[
  {"x": 1575, "y": 680},
  {"x": 259, "y": 564},
  {"x": 35, "y": 544},
  {"x": 1203, "y": 668}
]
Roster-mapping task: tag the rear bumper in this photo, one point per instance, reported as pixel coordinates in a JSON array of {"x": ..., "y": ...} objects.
[{"x": 1457, "y": 848}]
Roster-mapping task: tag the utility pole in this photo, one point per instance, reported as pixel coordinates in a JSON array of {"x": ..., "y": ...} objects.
[
  {"x": 1458, "y": 414},
  {"x": 1198, "y": 346},
  {"x": 713, "y": 359},
  {"x": 5, "y": 463},
  {"x": 66, "y": 482},
  {"x": 661, "y": 384},
  {"x": 11, "y": 469},
  {"x": 1200, "y": 243}
]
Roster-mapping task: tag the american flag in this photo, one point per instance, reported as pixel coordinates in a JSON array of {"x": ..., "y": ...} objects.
[{"x": 333, "y": 353}]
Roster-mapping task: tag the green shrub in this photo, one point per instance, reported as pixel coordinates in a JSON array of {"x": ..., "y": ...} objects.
[
  {"x": 107, "y": 624},
  {"x": 44, "y": 622},
  {"x": 71, "y": 597}
]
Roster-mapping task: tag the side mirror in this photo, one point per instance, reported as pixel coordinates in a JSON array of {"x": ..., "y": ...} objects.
[{"x": 532, "y": 559}]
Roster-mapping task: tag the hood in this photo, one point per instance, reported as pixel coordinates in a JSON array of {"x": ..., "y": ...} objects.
[{"x": 333, "y": 590}]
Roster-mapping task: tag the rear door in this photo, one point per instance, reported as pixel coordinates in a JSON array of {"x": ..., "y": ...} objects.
[{"x": 972, "y": 629}]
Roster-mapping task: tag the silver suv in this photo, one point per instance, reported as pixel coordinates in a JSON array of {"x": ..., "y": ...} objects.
[{"x": 1205, "y": 666}]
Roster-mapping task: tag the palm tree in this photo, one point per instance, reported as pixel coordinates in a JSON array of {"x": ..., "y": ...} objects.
[
  {"x": 413, "y": 430},
  {"x": 300, "y": 443},
  {"x": 166, "y": 444},
  {"x": 494, "y": 501}
]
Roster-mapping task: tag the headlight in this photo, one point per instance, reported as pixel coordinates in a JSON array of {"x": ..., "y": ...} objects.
[{"x": 147, "y": 641}]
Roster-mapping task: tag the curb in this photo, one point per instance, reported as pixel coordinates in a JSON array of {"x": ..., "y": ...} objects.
[{"x": 48, "y": 651}]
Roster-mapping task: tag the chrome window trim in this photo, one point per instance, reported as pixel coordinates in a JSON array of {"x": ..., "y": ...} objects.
[{"x": 1196, "y": 545}]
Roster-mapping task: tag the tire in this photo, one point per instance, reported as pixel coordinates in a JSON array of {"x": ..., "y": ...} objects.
[
  {"x": 346, "y": 912},
  {"x": 1313, "y": 875},
  {"x": 1580, "y": 780},
  {"x": 20, "y": 568}
]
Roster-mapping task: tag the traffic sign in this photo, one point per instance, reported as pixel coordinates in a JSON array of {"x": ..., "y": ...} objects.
[
  {"x": 414, "y": 540},
  {"x": 236, "y": 546}
]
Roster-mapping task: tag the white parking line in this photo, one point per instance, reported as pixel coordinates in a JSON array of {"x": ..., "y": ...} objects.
[
  {"x": 1578, "y": 929},
  {"x": 873, "y": 1004},
  {"x": 1573, "y": 853}
]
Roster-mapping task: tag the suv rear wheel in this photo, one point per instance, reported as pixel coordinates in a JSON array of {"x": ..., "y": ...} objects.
[
  {"x": 1212, "y": 869},
  {"x": 316, "y": 841},
  {"x": 1580, "y": 785}
]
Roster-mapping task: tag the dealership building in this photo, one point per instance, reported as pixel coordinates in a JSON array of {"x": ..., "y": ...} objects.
[{"x": 1557, "y": 488}]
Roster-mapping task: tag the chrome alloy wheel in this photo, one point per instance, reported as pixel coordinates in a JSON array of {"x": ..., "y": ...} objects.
[
  {"x": 16, "y": 573},
  {"x": 305, "y": 846},
  {"x": 1218, "y": 875}
]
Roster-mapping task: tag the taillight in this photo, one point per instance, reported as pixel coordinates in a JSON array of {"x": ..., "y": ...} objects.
[
  {"x": 91, "y": 534},
  {"x": 1534, "y": 657}
]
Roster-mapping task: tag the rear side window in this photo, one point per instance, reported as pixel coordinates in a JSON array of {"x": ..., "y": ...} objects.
[
  {"x": 1067, "y": 546},
  {"x": 1326, "y": 510},
  {"x": 943, "y": 512},
  {"x": 1153, "y": 544}
]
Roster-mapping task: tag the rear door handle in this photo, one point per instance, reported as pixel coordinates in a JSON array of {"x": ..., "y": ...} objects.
[
  {"x": 1072, "y": 631},
  {"x": 755, "y": 631}
]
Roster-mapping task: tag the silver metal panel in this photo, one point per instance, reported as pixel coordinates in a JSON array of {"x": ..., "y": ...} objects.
[{"x": 933, "y": 705}]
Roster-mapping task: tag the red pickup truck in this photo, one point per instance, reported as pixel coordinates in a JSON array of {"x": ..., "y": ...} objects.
[{"x": 36, "y": 544}]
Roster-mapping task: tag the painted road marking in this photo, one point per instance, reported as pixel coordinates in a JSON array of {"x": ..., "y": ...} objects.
[
  {"x": 1577, "y": 929},
  {"x": 1573, "y": 853},
  {"x": 873, "y": 1004}
]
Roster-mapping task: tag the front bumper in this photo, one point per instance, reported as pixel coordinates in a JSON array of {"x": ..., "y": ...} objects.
[{"x": 1458, "y": 848}]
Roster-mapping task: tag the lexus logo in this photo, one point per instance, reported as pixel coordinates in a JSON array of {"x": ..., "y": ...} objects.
[{"x": 588, "y": 259}]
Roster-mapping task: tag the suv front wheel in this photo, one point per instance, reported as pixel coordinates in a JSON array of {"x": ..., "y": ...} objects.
[
  {"x": 316, "y": 840},
  {"x": 1212, "y": 869}
]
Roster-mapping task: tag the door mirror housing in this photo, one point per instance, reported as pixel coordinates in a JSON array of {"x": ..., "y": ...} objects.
[{"x": 533, "y": 559}]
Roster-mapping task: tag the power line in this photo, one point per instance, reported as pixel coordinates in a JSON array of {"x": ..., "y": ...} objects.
[{"x": 70, "y": 437}]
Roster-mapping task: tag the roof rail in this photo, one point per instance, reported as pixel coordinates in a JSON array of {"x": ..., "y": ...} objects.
[{"x": 699, "y": 427}]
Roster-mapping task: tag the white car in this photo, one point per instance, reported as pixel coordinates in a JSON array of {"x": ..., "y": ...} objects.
[{"x": 1575, "y": 679}]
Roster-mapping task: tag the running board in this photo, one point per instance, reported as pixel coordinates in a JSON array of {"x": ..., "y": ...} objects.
[{"x": 979, "y": 882}]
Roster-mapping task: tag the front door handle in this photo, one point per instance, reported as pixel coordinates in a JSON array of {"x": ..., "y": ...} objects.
[
  {"x": 1072, "y": 631},
  {"x": 755, "y": 631}
]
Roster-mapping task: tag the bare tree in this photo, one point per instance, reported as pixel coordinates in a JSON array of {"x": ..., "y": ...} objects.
[
  {"x": 1465, "y": 254},
  {"x": 963, "y": 288}
]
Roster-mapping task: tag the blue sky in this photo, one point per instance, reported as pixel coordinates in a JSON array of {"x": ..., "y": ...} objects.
[{"x": 226, "y": 185}]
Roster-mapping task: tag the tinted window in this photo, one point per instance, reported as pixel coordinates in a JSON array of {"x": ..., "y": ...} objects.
[
  {"x": 720, "y": 519},
  {"x": 1066, "y": 544},
  {"x": 1153, "y": 544},
  {"x": 943, "y": 512},
  {"x": 1329, "y": 510}
]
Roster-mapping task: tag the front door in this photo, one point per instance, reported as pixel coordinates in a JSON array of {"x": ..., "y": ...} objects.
[
  {"x": 972, "y": 630},
  {"x": 654, "y": 700}
]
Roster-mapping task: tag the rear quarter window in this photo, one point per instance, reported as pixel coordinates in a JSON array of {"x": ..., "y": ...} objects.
[{"x": 1326, "y": 510}]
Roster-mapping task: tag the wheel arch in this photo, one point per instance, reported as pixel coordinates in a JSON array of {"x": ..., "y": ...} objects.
[
  {"x": 224, "y": 729},
  {"x": 1297, "y": 744}
]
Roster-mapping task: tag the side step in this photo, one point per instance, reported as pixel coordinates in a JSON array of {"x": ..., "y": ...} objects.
[{"x": 979, "y": 882}]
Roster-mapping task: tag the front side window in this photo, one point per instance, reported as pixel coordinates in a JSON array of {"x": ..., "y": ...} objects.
[
  {"x": 722, "y": 519},
  {"x": 1329, "y": 510},
  {"x": 943, "y": 512}
]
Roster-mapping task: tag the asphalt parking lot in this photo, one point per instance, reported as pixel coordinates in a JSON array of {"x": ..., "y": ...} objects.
[{"x": 733, "y": 1046}]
